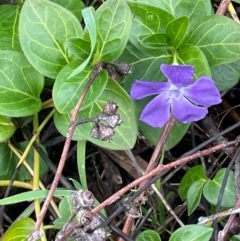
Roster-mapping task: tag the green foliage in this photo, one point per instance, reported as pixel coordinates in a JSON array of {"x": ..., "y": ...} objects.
[
  {"x": 45, "y": 28},
  {"x": 20, "y": 93},
  {"x": 195, "y": 183},
  {"x": 31, "y": 195},
  {"x": 45, "y": 40},
  {"x": 9, "y": 27},
  {"x": 20, "y": 230},
  {"x": 125, "y": 135},
  {"x": 6, "y": 128},
  {"x": 212, "y": 188},
  {"x": 192, "y": 233},
  {"x": 113, "y": 26},
  {"x": 150, "y": 235}
]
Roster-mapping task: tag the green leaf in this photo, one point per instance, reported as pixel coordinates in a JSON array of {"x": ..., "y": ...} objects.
[
  {"x": 194, "y": 174},
  {"x": 192, "y": 55},
  {"x": 45, "y": 27},
  {"x": 212, "y": 188},
  {"x": 148, "y": 235},
  {"x": 66, "y": 92},
  {"x": 114, "y": 20},
  {"x": 65, "y": 209},
  {"x": 76, "y": 184},
  {"x": 9, "y": 39},
  {"x": 226, "y": 75},
  {"x": 31, "y": 195},
  {"x": 156, "y": 41},
  {"x": 192, "y": 9},
  {"x": 6, "y": 128},
  {"x": 20, "y": 85},
  {"x": 125, "y": 135},
  {"x": 79, "y": 47},
  {"x": 192, "y": 233},
  {"x": 81, "y": 163},
  {"x": 177, "y": 29},
  {"x": 23, "y": 173},
  {"x": 20, "y": 230},
  {"x": 74, "y": 6},
  {"x": 91, "y": 26},
  {"x": 194, "y": 195},
  {"x": 147, "y": 20},
  {"x": 7, "y": 166},
  {"x": 143, "y": 67},
  {"x": 217, "y": 36}
]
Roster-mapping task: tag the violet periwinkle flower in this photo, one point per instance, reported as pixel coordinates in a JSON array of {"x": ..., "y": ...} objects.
[{"x": 187, "y": 100}]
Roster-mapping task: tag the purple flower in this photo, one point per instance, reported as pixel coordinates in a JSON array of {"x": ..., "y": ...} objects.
[{"x": 187, "y": 100}]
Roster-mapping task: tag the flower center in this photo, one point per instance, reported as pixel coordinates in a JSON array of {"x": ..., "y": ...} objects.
[{"x": 175, "y": 93}]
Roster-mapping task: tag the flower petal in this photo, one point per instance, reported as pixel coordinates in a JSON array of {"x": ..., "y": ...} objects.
[
  {"x": 157, "y": 112},
  {"x": 203, "y": 92},
  {"x": 179, "y": 75},
  {"x": 184, "y": 111},
  {"x": 141, "y": 89}
]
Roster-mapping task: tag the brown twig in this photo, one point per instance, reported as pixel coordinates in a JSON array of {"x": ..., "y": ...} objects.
[
  {"x": 97, "y": 69},
  {"x": 152, "y": 164},
  {"x": 159, "y": 169},
  {"x": 223, "y": 7}
]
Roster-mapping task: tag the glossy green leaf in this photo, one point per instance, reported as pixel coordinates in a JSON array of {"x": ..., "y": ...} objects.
[
  {"x": 23, "y": 173},
  {"x": 31, "y": 195},
  {"x": 74, "y": 6},
  {"x": 6, "y": 128},
  {"x": 66, "y": 92},
  {"x": 91, "y": 27},
  {"x": 81, "y": 163},
  {"x": 20, "y": 230},
  {"x": 194, "y": 174},
  {"x": 76, "y": 184},
  {"x": 192, "y": 233},
  {"x": 45, "y": 27},
  {"x": 147, "y": 20},
  {"x": 177, "y": 29},
  {"x": 79, "y": 47},
  {"x": 226, "y": 75},
  {"x": 192, "y": 55},
  {"x": 148, "y": 235},
  {"x": 7, "y": 165},
  {"x": 194, "y": 195},
  {"x": 212, "y": 188},
  {"x": 20, "y": 85},
  {"x": 9, "y": 39},
  {"x": 156, "y": 41},
  {"x": 125, "y": 135},
  {"x": 192, "y": 9},
  {"x": 217, "y": 36},
  {"x": 114, "y": 20},
  {"x": 65, "y": 209}
]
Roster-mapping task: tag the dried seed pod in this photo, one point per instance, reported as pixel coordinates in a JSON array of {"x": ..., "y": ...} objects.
[
  {"x": 122, "y": 68},
  {"x": 112, "y": 73},
  {"x": 84, "y": 217},
  {"x": 235, "y": 226},
  {"x": 111, "y": 120},
  {"x": 102, "y": 132},
  {"x": 110, "y": 108},
  {"x": 82, "y": 198},
  {"x": 95, "y": 223}
]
